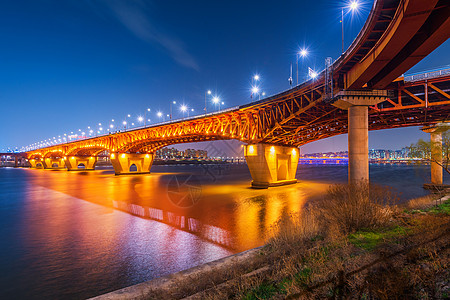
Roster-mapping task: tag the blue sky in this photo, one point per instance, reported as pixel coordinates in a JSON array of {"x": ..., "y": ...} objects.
[{"x": 66, "y": 65}]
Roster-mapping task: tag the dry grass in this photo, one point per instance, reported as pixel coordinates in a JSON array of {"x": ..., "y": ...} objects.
[
  {"x": 352, "y": 207},
  {"x": 313, "y": 255}
]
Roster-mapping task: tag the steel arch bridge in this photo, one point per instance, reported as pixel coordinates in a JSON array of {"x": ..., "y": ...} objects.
[{"x": 361, "y": 89}]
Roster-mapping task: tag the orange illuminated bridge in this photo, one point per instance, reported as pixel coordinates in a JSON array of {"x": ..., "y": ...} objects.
[{"x": 362, "y": 90}]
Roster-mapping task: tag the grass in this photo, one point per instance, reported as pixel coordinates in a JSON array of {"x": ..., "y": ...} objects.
[
  {"x": 356, "y": 243},
  {"x": 443, "y": 208},
  {"x": 370, "y": 239}
]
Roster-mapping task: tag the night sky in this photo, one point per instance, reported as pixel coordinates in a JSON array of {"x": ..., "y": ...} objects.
[{"x": 67, "y": 65}]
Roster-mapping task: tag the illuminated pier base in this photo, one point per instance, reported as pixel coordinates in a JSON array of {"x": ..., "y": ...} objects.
[
  {"x": 131, "y": 163},
  {"x": 80, "y": 163},
  {"x": 271, "y": 165},
  {"x": 436, "y": 153},
  {"x": 54, "y": 163},
  {"x": 36, "y": 163}
]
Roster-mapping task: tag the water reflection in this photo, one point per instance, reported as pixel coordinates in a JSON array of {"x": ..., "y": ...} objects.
[
  {"x": 230, "y": 214},
  {"x": 80, "y": 234}
]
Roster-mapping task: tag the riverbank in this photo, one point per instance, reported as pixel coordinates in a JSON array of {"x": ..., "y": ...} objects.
[{"x": 386, "y": 249}]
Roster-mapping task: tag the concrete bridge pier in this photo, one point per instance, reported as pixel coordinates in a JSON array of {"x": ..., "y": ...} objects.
[
  {"x": 36, "y": 163},
  {"x": 357, "y": 103},
  {"x": 436, "y": 153},
  {"x": 271, "y": 165},
  {"x": 53, "y": 163},
  {"x": 80, "y": 163},
  {"x": 131, "y": 163}
]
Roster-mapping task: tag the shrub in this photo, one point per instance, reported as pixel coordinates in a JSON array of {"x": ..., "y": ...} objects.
[{"x": 352, "y": 207}]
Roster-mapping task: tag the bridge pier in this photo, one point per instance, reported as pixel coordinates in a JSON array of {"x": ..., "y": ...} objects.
[
  {"x": 80, "y": 163},
  {"x": 436, "y": 154},
  {"x": 36, "y": 163},
  {"x": 53, "y": 163},
  {"x": 271, "y": 165},
  {"x": 357, "y": 103},
  {"x": 131, "y": 163}
]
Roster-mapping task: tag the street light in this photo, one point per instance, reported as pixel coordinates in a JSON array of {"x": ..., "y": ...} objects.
[
  {"x": 145, "y": 116},
  {"x": 125, "y": 124},
  {"x": 216, "y": 100},
  {"x": 255, "y": 90},
  {"x": 159, "y": 114},
  {"x": 353, "y": 6},
  {"x": 183, "y": 108},
  {"x": 173, "y": 102},
  {"x": 302, "y": 53},
  {"x": 140, "y": 119},
  {"x": 209, "y": 93}
]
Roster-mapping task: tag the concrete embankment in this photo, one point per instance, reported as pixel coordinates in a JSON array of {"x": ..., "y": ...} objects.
[{"x": 167, "y": 284}]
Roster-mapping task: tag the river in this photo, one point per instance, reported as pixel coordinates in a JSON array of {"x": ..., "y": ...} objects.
[{"x": 76, "y": 235}]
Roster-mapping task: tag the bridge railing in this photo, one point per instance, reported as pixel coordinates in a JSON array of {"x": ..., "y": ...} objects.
[{"x": 428, "y": 75}]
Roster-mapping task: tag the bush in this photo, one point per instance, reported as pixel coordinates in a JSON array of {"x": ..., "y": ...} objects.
[{"x": 352, "y": 207}]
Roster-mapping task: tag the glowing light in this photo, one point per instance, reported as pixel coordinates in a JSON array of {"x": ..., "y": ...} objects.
[
  {"x": 140, "y": 119},
  {"x": 183, "y": 108},
  {"x": 159, "y": 114},
  {"x": 256, "y": 77},
  {"x": 272, "y": 150},
  {"x": 294, "y": 152},
  {"x": 216, "y": 99},
  {"x": 209, "y": 92},
  {"x": 313, "y": 74},
  {"x": 303, "y": 52},
  {"x": 251, "y": 149},
  {"x": 354, "y": 5},
  {"x": 123, "y": 155},
  {"x": 112, "y": 156},
  {"x": 255, "y": 90},
  {"x": 72, "y": 157},
  {"x": 147, "y": 156}
]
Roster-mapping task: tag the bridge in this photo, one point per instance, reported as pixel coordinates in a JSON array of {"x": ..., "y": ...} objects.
[{"x": 362, "y": 90}]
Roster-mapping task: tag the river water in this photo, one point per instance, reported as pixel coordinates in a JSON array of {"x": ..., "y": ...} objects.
[{"x": 76, "y": 235}]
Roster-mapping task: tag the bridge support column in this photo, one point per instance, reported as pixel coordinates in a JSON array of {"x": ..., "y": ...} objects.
[
  {"x": 271, "y": 165},
  {"x": 357, "y": 103},
  {"x": 436, "y": 154},
  {"x": 36, "y": 163},
  {"x": 131, "y": 163},
  {"x": 80, "y": 163},
  {"x": 358, "y": 143},
  {"x": 53, "y": 163}
]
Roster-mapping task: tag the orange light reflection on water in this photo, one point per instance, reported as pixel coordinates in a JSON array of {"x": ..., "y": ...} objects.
[{"x": 233, "y": 216}]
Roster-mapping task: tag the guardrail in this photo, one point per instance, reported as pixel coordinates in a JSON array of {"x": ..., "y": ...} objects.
[{"x": 427, "y": 75}]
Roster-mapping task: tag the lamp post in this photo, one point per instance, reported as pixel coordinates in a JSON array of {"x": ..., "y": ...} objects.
[
  {"x": 208, "y": 92},
  {"x": 145, "y": 116},
  {"x": 216, "y": 100},
  {"x": 173, "y": 102},
  {"x": 353, "y": 6},
  {"x": 255, "y": 90},
  {"x": 302, "y": 53}
]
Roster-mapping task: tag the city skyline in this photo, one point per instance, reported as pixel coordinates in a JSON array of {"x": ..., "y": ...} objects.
[{"x": 81, "y": 73}]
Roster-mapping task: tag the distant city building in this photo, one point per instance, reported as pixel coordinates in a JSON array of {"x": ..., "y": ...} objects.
[
  {"x": 173, "y": 153},
  {"x": 374, "y": 154}
]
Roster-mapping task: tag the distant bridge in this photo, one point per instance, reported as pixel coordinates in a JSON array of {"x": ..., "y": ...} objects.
[{"x": 360, "y": 91}]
